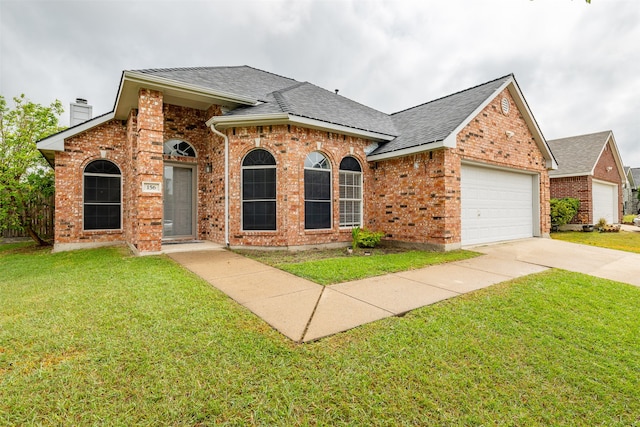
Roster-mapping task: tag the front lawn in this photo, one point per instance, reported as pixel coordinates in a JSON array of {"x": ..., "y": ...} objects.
[
  {"x": 623, "y": 241},
  {"x": 100, "y": 338},
  {"x": 331, "y": 266}
]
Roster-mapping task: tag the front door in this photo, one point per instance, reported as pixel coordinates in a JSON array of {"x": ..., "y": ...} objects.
[{"x": 178, "y": 221}]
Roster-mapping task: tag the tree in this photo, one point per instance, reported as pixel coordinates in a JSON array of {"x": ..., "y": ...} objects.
[{"x": 25, "y": 177}]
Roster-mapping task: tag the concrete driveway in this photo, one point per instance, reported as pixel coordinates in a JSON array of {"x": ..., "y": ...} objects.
[{"x": 305, "y": 311}]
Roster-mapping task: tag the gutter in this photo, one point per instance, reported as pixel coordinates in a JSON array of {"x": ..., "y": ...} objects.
[{"x": 226, "y": 181}]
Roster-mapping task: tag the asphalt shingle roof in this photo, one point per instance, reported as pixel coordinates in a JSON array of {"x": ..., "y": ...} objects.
[
  {"x": 242, "y": 80},
  {"x": 310, "y": 101},
  {"x": 417, "y": 126},
  {"x": 577, "y": 155},
  {"x": 436, "y": 120},
  {"x": 635, "y": 172}
]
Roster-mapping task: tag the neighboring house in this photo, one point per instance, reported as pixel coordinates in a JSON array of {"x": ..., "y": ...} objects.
[
  {"x": 630, "y": 193},
  {"x": 243, "y": 157},
  {"x": 634, "y": 184},
  {"x": 589, "y": 169}
]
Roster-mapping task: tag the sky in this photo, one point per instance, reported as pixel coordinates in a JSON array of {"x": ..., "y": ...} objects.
[{"x": 577, "y": 64}]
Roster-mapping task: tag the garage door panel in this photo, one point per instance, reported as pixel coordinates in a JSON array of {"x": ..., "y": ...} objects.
[
  {"x": 605, "y": 201},
  {"x": 496, "y": 205}
]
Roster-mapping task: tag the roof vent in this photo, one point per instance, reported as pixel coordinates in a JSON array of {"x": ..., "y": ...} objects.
[
  {"x": 337, "y": 90},
  {"x": 80, "y": 112}
]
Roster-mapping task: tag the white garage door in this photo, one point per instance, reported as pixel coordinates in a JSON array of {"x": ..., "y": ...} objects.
[
  {"x": 496, "y": 205},
  {"x": 605, "y": 202}
]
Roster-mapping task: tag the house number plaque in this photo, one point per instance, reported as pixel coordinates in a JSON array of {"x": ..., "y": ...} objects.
[{"x": 151, "y": 187}]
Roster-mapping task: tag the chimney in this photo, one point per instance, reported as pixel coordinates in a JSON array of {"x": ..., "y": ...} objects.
[{"x": 80, "y": 112}]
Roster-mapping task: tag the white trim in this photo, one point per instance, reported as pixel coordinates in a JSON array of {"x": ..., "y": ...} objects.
[
  {"x": 570, "y": 175},
  {"x": 360, "y": 175},
  {"x": 212, "y": 126},
  {"x": 55, "y": 142},
  {"x": 330, "y": 200},
  {"x": 104, "y": 175},
  {"x": 407, "y": 151},
  {"x": 616, "y": 207},
  {"x": 536, "y": 230},
  {"x": 286, "y": 118},
  {"x": 194, "y": 198},
  {"x": 166, "y": 83},
  {"x": 242, "y": 201},
  {"x": 451, "y": 140}
]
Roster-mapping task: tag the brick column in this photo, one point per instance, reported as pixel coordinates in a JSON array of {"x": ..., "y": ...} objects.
[{"x": 148, "y": 167}]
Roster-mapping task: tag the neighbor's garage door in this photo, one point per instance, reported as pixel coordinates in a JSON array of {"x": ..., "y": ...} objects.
[
  {"x": 496, "y": 205},
  {"x": 605, "y": 202}
]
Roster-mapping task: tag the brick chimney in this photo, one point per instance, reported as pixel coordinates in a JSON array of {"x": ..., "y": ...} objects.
[{"x": 80, "y": 112}]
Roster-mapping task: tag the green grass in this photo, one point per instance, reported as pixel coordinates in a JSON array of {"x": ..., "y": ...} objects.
[
  {"x": 334, "y": 266},
  {"x": 99, "y": 338},
  {"x": 623, "y": 241}
]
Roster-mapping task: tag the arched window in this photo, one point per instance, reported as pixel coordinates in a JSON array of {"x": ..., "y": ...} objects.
[
  {"x": 259, "y": 191},
  {"x": 317, "y": 192},
  {"x": 350, "y": 180},
  {"x": 102, "y": 196},
  {"x": 177, "y": 147}
]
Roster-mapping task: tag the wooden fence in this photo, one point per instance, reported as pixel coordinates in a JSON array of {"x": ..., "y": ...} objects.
[{"x": 42, "y": 214}]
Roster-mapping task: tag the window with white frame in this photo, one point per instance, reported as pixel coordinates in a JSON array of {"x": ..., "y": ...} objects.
[
  {"x": 102, "y": 196},
  {"x": 259, "y": 191},
  {"x": 317, "y": 192},
  {"x": 177, "y": 147},
  {"x": 350, "y": 183}
]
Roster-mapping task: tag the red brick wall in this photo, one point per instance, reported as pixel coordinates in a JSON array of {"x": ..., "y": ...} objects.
[
  {"x": 69, "y": 166},
  {"x": 188, "y": 124},
  {"x": 147, "y": 166},
  {"x": 290, "y": 145},
  {"x": 410, "y": 203},
  {"x": 580, "y": 187},
  {"x": 485, "y": 140},
  {"x": 417, "y": 197},
  {"x": 607, "y": 160}
]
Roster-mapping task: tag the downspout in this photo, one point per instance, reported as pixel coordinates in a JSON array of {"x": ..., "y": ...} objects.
[{"x": 226, "y": 182}]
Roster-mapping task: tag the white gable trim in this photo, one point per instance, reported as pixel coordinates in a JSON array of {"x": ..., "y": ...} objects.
[
  {"x": 55, "y": 142},
  {"x": 222, "y": 122},
  {"x": 616, "y": 157}
]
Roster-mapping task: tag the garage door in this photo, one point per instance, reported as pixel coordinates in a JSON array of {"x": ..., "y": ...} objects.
[
  {"x": 605, "y": 202},
  {"x": 496, "y": 205}
]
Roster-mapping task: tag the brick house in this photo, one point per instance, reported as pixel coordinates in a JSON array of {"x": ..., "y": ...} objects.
[
  {"x": 589, "y": 169},
  {"x": 243, "y": 157}
]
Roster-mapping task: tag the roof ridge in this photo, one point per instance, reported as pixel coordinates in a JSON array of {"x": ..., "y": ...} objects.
[
  {"x": 581, "y": 136},
  {"x": 154, "y": 70},
  {"x": 348, "y": 99},
  {"x": 455, "y": 93},
  {"x": 282, "y": 103}
]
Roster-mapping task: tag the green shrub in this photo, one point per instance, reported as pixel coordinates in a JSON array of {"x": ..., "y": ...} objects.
[
  {"x": 562, "y": 210},
  {"x": 601, "y": 223},
  {"x": 361, "y": 237},
  {"x": 628, "y": 219},
  {"x": 355, "y": 237}
]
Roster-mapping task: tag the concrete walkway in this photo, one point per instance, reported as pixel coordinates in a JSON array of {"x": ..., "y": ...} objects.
[{"x": 305, "y": 311}]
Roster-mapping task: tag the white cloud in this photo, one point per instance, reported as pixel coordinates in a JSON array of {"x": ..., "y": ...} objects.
[{"x": 577, "y": 64}]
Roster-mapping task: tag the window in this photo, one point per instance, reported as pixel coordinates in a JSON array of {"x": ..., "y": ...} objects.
[
  {"x": 350, "y": 193},
  {"x": 317, "y": 192},
  {"x": 176, "y": 147},
  {"x": 259, "y": 191},
  {"x": 102, "y": 196}
]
